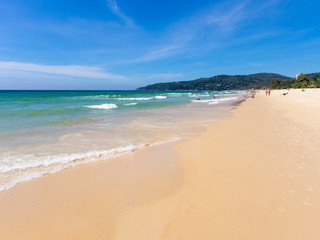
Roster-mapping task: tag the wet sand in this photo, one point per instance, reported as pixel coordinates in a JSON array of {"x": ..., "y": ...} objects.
[
  {"x": 82, "y": 202},
  {"x": 253, "y": 176}
]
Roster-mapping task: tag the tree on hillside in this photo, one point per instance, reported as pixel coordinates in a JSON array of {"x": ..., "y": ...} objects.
[
  {"x": 316, "y": 83},
  {"x": 304, "y": 80},
  {"x": 288, "y": 83},
  {"x": 275, "y": 83}
]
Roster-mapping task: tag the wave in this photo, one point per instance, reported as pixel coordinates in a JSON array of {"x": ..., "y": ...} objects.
[
  {"x": 175, "y": 94},
  {"x": 160, "y": 97},
  {"x": 88, "y": 97},
  {"x": 201, "y": 95},
  {"x": 103, "y": 106},
  {"x": 214, "y": 101},
  {"x": 204, "y": 101},
  {"x": 34, "y": 167},
  {"x": 130, "y": 104},
  {"x": 29, "y": 161},
  {"x": 37, "y": 167},
  {"x": 137, "y": 99},
  {"x": 227, "y": 99}
]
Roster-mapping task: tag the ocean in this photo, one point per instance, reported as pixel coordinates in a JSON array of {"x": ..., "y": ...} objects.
[{"x": 46, "y": 131}]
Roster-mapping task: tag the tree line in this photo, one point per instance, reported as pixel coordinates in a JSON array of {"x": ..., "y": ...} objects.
[{"x": 302, "y": 81}]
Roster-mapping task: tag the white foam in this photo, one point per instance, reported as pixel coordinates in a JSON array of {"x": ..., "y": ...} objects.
[
  {"x": 174, "y": 94},
  {"x": 103, "y": 106},
  {"x": 213, "y": 101},
  {"x": 36, "y": 167},
  {"x": 130, "y": 104},
  {"x": 51, "y": 164},
  {"x": 160, "y": 97},
  {"x": 13, "y": 182},
  {"x": 92, "y": 97},
  {"x": 203, "y": 101},
  {"x": 230, "y": 94},
  {"x": 30, "y": 161},
  {"x": 227, "y": 99},
  {"x": 137, "y": 99}
]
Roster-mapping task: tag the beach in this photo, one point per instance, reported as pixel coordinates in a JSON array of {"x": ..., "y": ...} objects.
[
  {"x": 44, "y": 132},
  {"x": 253, "y": 175}
]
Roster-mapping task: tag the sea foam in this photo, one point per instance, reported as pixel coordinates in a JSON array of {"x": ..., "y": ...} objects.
[
  {"x": 227, "y": 99},
  {"x": 103, "y": 106},
  {"x": 137, "y": 99},
  {"x": 214, "y": 101},
  {"x": 35, "y": 167},
  {"x": 160, "y": 97},
  {"x": 203, "y": 101},
  {"x": 131, "y": 104}
]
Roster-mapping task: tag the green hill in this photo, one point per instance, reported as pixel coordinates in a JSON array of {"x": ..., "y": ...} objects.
[
  {"x": 313, "y": 75},
  {"x": 220, "y": 82}
]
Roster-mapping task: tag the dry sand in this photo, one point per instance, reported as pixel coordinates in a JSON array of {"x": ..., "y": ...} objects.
[{"x": 254, "y": 176}]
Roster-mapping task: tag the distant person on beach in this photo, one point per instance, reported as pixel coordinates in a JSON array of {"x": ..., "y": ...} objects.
[
  {"x": 269, "y": 92},
  {"x": 213, "y": 97},
  {"x": 266, "y": 92},
  {"x": 198, "y": 98}
]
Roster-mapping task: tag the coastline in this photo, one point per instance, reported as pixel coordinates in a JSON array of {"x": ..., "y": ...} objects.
[
  {"x": 36, "y": 141},
  {"x": 82, "y": 202},
  {"x": 245, "y": 177}
]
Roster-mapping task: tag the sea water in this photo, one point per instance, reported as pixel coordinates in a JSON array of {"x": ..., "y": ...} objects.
[{"x": 47, "y": 131}]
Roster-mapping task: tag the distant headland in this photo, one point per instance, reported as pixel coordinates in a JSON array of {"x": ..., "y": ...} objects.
[{"x": 230, "y": 82}]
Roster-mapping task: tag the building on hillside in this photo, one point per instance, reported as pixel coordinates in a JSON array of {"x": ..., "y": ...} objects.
[{"x": 297, "y": 75}]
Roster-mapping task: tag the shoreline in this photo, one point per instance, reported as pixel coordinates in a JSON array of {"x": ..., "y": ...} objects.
[
  {"x": 45, "y": 150},
  {"x": 70, "y": 203},
  {"x": 245, "y": 177}
]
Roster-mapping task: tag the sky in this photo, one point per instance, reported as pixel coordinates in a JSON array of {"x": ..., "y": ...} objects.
[{"x": 125, "y": 44}]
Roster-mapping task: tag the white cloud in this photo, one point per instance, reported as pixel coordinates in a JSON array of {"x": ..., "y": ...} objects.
[
  {"x": 65, "y": 70},
  {"x": 198, "y": 32},
  {"x": 117, "y": 11},
  {"x": 227, "y": 20},
  {"x": 161, "y": 52}
]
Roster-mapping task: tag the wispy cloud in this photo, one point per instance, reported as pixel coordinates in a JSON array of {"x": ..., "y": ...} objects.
[
  {"x": 64, "y": 70},
  {"x": 112, "y": 4},
  {"x": 158, "y": 53},
  {"x": 199, "y": 32},
  {"x": 206, "y": 35},
  {"x": 228, "y": 18}
]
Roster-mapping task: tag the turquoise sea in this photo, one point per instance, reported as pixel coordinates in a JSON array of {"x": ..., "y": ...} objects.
[{"x": 46, "y": 131}]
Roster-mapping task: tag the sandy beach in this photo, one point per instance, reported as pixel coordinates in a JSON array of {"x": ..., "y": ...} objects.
[{"x": 253, "y": 176}]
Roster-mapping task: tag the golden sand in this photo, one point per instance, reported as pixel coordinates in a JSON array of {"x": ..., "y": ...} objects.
[
  {"x": 254, "y": 176},
  {"x": 82, "y": 202}
]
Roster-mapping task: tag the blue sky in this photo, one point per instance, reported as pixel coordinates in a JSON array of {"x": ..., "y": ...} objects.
[{"x": 122, "y": 44}]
